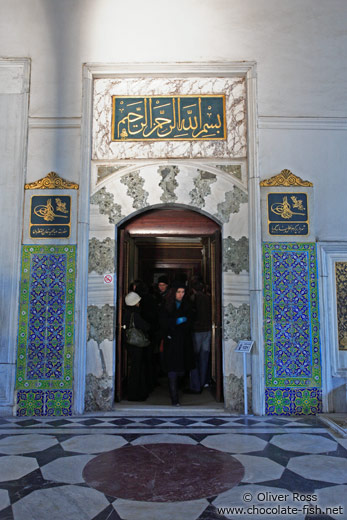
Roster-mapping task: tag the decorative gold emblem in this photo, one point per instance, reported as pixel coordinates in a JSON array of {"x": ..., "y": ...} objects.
[
  {"x": 284, "y": 209},
  {"x": 47, "y": 211},
  {"x": 285, "y": 178},
  {"x": 52, "y": 181}
]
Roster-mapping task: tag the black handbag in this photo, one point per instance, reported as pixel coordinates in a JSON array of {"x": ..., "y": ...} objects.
[{"x": 136, "y": 337}]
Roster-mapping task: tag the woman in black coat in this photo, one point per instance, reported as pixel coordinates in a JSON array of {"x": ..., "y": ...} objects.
[
  {"x": 176, "y": 332},
  {"x": 138, "y": 384}
]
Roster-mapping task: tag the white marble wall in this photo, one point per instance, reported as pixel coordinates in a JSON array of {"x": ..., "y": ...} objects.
[
  {"x": 234, "y": 146},
  {"x": 14, "y": 91}
]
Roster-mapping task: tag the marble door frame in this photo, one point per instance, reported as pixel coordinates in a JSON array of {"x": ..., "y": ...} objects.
[{"x": 125, "y": 70}]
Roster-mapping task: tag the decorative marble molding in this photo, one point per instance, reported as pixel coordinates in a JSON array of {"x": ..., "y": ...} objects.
[
  {"x": 134, "y": 183},
  {"x": 101, "y": 322},
  {"x": 234, "y": 393},
  {"x": 52, "y": 181},
  {"x": 46, "y": 123},
  {"x": 234, "y": 88},
  {"x": 236, "y": 322},
  {"x": 302, "y": 123},
  {"x": 232, "y": 169},
  {"x": 235, "y": 255},
  {"x": 104, "y": 171},
  {"x": 107, "y": 206},
  {"x": 99, "y": 393},
  {"x": 285, "y": 178},
  {"x": 329, "y": 254},
  {"x": 233, "y": 200},
  {"x": 168, "y": 182},
  {"x": 202, "y": 188},
  {"x": 15, "y": 75},
  {"x": 102, "y": 256}
]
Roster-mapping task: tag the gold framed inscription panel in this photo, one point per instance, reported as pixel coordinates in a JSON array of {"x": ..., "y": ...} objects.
[
  {"x": 169, "y": 118},
  {"x": 50, "y": 216}
]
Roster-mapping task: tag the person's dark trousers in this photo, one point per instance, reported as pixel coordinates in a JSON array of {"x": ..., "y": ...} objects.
[
  {"x": 137, "y": 381},
  {"x": 173, "y": 386}
]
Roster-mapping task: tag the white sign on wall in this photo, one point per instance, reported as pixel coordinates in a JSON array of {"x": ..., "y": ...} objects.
[
  {"x": 108, "y": 279},
  {"x": 244, "y": 346}
]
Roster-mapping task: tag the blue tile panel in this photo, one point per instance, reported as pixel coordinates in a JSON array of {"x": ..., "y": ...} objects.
[
  {"x": 46, "y": 329},
  {"x": 291, "y": 326}
]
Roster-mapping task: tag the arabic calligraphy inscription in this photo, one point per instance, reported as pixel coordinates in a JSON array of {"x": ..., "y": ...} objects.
[
  {"x": 50, "y": 216},
  {"x": 288, "y": 214},
  {"x": 178, "y": 118}
]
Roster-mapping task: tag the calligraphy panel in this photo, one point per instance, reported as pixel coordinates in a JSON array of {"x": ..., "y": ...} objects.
[
  {"x": 50, "y": 216},
  {"x": 288, "y": 214},
  {"x": 341, "y": 303},
  {"x": 178, "y": 118}
]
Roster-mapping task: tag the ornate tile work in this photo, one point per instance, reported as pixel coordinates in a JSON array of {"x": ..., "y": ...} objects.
[
  {"x": 293, "y": 401},
  {"x": 341, "y": 303},
  {"x": 292, "y": 348},
  {"x": 44, "y": 403},
  {"x": 46, "y": 328}
]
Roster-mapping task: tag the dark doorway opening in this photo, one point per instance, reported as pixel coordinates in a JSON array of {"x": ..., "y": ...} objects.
[{"x": 177, "y": 243}]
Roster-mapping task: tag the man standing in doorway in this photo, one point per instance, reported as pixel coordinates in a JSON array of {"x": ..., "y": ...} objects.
[
  {"x": 202, "y": 323},
  {"x": 163, "y": 288}
]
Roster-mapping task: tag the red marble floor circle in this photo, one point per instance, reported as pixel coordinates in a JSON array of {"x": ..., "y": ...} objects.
[{"x": 163, "y": 472}]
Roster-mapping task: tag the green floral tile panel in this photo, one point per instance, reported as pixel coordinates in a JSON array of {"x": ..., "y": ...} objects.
[
  {"x": 46, "y": 318},
  {"x": 291, "y": 320}
]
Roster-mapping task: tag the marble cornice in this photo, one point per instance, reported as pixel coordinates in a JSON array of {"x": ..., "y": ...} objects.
[{"x": 302, "y": 123}]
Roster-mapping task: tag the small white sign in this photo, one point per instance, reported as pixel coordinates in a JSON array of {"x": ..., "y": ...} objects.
[
  {"x": 244, "y": 345},
  {"x": 108, "y": 279}
]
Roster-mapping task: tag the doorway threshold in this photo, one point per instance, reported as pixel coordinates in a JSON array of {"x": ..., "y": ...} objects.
[{"x": 127, "y": 408}]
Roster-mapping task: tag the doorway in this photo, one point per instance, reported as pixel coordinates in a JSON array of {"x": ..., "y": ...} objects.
[{"x": 176, "y": 243}]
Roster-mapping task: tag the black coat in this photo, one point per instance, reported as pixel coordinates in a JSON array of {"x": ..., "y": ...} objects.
[
  {"x": 139, "y": 322},
  {"x": 178, "y": 345}
]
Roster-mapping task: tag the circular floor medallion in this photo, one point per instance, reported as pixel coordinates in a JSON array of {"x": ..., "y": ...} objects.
[{"x": 163, "y": 472}]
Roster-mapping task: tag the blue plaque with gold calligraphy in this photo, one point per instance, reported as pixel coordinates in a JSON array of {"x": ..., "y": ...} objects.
[
  {"x": 177, "y": 118},
  {"x": 50, "y": 216},
  {"x": 288, "y": 214}
]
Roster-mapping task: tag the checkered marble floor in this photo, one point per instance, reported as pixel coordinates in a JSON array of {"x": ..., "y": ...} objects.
[{"x": 119, "y": 466}]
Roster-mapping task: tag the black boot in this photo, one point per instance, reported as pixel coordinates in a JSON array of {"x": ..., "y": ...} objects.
[{"x": 173, "y": 388}]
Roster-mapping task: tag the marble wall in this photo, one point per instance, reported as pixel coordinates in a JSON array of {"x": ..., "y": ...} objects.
[
  {"x": 14, "y": 96},
  {"x": 234, "y": 146}
]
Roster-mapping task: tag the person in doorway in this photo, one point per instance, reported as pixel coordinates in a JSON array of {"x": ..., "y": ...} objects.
[
  {"x": 161, "y": 293},
  {"x": 162, "y": 289},
  {"x": 176, "y": 331},
  {"x": 202, "y": 325},
  {"x": 137, "y": 387},
  {"x": 149, "y": 312}
]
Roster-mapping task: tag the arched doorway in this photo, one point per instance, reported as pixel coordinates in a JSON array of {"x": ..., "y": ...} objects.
[{"x": 176, "y": 242}]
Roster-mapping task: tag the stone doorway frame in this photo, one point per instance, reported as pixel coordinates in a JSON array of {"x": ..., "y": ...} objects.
[{"x": 125, "y": 70}]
